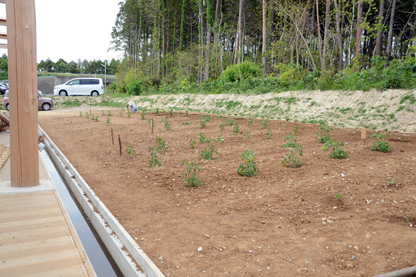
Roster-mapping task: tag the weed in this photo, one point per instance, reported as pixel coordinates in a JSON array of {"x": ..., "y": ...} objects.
[
  {"x": 128, "y": 114},
  {"x": 192, "y": 143},
  {"x": 108, "y": 113},
  {"x": 207, "y": 153},
  {"x": 191, "y": 173},
  {"x": 121, "y": 113},
  {"x": 248, "y": 168},
  {"x": 186, "y": 123},
  {"x": 264, "y": 124},
  {"x": 391, "y": 182},
  {"x": 246, "y": 135},
  {"x": 130, "y": 150},
  {"x": 80, "y": 114},
  {"x": 381, "y": 144},
  {"x": 108, "y": 120},
  {"x": 222, "y": 126},
  {"x": 143, "y": 114},
  {"x": 171, "y": 113},
  {"x": 269, "y": 134}
]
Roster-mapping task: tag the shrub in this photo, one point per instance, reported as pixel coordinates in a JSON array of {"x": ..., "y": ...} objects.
[
  {"x": 248, "y": 168},
  {"x": 292, "y": 159},
  {"x": 134, "y": 88},
  {"x": 241, "y": 71},
  {"x": 336, "y": 151}
]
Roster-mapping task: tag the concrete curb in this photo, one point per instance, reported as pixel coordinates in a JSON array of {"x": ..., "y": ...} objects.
[{"x": 125, "y": 251}]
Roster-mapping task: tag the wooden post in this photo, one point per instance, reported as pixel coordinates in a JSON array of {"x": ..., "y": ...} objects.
[
  {"x": 152, "y": 125},
  {"x": 112, "y": 135},
  {"x": 23, "y": 86},
  {"x": 119, "y": 143},
  {"x": 364, "y": 134},
  {"x": 186, "y": 110}
]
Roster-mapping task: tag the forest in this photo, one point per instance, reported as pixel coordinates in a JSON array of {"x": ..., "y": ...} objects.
[{"x": 217, "y": 46}]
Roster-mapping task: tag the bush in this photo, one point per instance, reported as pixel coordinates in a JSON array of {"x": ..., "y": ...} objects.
[
  {"x": 248, "y": 168},
  {"x": 134, "y": 88},
  {"x": 381, "y": 144},
  {"x": 240, "y": 72}
]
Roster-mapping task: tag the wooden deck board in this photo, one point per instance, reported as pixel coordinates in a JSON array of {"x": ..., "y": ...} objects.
[{"x": 37, "y": 239}]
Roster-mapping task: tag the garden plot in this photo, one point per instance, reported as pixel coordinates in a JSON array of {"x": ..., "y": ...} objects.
[{"x": 328, "y": 216}]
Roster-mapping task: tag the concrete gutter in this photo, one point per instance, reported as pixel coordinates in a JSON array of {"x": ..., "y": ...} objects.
[{"x": 125, "y": 251}]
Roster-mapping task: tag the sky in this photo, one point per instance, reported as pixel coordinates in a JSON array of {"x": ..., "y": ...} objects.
[{"x": 72, "y": 30}]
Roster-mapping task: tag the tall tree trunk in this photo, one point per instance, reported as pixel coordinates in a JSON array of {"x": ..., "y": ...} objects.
[
  {"x": 390, "y": 37},
  {"x": 201, "y": 40},
  {"x": 359, "y": 29},
  {"x": 338, "y": 35},
  {"x": 217, "y": 26},
  {"x": 379, "y": 38},
  {"x": 210, "y": 22},
  {"x": 319, "y": 36},
  {"x": 264, "y": 37},
  {"x": 238, "y": 35},
  {"x": 326, "y": 33},
  {"x": 182, "y": 25}
]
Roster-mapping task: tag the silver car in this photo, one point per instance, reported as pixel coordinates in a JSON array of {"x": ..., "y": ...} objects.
[{"x": 44, "y": 103}]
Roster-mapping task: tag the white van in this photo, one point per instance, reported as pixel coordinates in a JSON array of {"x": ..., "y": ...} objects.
[{"x": 80, "y": 86}]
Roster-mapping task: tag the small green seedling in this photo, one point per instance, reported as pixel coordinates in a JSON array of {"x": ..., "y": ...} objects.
[
  {"x": 323, "y": 133},
  {"x": 250, "y": 121},
  {"x": 128, "y": 114},
  {"x": 391, "y": 182},
  {"x": 191, "y": 173},
  {"x": 108, "y": 120},
  {"x": 337, "y": 198},
  {"x": 222, "y": 126},
  {"x": 236, "y": 128},
  {"x": 336, "y": 151},
  {"x": 108, "y": 113},
  {"x": 171, "y": 113},
  {"x": 192, "y": 143},
  {"x": 80, "y": 114},
  {"x": 167, "y": 124},
  {"x": 246, "y": 135},
  {"x": 130, "y": 150},
  {"x": 143, "y": 114},
  {"x": 269, "y": 134},
  {"x": 121, "y": 113},
  {"x": 161, "y": 145},
  {"x": 248, "y": 168},
  {"x": 219, "y": 139},
  {"x": 154, "y": 160},
  {"x": 264, "y": 124},
  {"x": 292, "y": 159}
]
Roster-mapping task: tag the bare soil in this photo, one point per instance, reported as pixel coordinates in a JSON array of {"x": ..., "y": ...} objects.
[{"x": 282, "y": 222}]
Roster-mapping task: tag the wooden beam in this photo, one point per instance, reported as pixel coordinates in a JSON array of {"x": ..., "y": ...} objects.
[
  {"x": 21, "y": 39},
  {"x": 2, "y": 1},
  {"x": 3, "y": 22},
  {"x": 3, "y": 36},
  {"x": 3, "y": 46}
]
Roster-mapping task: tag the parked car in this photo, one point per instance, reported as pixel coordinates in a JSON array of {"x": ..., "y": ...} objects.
[
  {"x": 43, "y": 102},
  {"x": 80, "y": 86},
  {"x": 3, "y": 88}
]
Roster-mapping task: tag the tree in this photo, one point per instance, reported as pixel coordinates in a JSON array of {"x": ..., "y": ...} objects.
[
  {"x": 377, "y": 51},
  {"x": 390, "y": 37},
  {"x": 264, "y": 37}
]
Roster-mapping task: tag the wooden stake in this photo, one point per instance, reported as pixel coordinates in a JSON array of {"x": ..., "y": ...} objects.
[
  {"x": 186, "y": 110},
  {"x": 152, "y": 125},
  {"x": 21, "y": 40},
  {"x": 112, "y": 135},
  {"x": 364, "y": 134},
  {"x": 119, "y": 143}
]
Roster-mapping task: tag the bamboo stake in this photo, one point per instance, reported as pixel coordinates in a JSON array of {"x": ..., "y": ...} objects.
[
  {"x": 112, "y": 135},
  {"x": 119, "y": 143}
]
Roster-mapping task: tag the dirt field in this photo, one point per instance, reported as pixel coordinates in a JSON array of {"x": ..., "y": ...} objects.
[{"x": 282, "y": 222}]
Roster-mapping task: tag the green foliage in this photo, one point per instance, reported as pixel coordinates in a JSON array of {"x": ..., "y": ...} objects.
[
  {"x": 236, "y": 128},
  {"x": 161, "y": 145},
  {"x": 154, "y": 160},
  {"x": 290, "y": 141},
  {"x": 264, "y": 124},
  {"x": 143, "y": 114},
  {"x": 192, "y": 143},
  {"x": 203, "y": 139},
  {"x": 292, "y": 159},
  {"x": 191, "y": 174},
  {"x": 381, "y": 144},
  {"x": 166, "y": 124},
  {"x": 246, "y": 135},
  {"x": 337, "y": 198},
  {"x": 108, "y": 120},
  {"x": 219, "y": 139},
  {"x": 130, "y": 150},
  {"x": 250, "y": 121},
  {"x": 248, "y": 168},
  {"x": 80, "y": 114},
  {"x": 269, "y": 134},
  {"x": 222, "y": 126},
  {"x": 241, "y": 71},
  {"x": 336, "y": 151},
  {"x": 323, "y": 133},
  {"x": 208, "y": 151}
]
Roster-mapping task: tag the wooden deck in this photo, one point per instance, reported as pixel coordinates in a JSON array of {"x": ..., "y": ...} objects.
[{"x": 37, "y": 238}]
